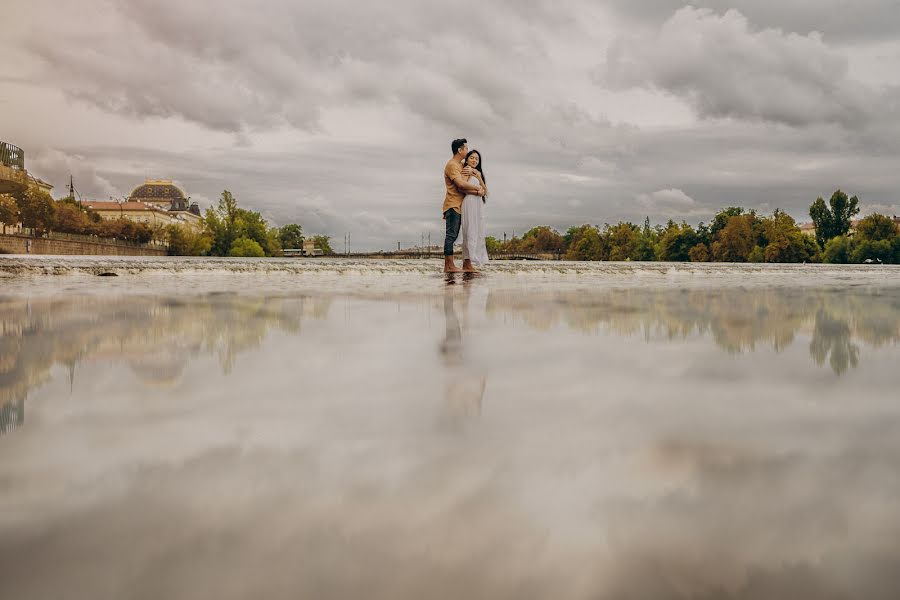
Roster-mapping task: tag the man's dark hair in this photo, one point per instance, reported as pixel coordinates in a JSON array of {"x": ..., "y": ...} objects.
[{"x": 457, "y": 144}]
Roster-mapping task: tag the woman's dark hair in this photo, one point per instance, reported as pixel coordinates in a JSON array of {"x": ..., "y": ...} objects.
[
  {"x": 478, "y": 168},
  {"x": 455, "y": 145}
]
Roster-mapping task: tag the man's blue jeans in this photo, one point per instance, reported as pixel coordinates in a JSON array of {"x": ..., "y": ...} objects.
[{"x": 454, "y": 220}]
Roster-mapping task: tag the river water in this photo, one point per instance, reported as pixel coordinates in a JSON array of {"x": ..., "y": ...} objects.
[{"x": 340, "y": 429}]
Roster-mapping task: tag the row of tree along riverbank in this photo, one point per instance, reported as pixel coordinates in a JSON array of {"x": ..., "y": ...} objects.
[
  {"x": 735, "y": 234},
  {"x": 226, "y": 229}
]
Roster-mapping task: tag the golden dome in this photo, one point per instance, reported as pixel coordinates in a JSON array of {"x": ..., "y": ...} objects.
[{"x": 158, "y": 190}]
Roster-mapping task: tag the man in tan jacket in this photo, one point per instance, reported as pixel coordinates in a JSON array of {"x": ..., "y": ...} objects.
[{"x": 457, "y": 188}]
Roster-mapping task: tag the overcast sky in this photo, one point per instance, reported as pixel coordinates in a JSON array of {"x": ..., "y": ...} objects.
[{"x": 338, "y": 114}]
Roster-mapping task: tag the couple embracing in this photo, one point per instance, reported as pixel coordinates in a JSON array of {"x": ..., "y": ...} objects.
[{"x": 464, "y": 208}]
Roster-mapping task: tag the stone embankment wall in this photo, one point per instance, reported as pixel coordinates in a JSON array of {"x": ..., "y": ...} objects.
[{"x": 18, "y": 244}]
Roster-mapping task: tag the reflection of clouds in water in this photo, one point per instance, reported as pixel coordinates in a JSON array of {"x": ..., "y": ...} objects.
[
  {"x": 736, "y": 319},
  {"x": 753, "y": 523},
  {"x": 621, "y": 484},
  {"x": 232, "y": 524},
  {"x": 737, "y": 522}
]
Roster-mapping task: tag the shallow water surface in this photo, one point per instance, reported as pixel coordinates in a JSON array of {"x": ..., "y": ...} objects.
[{"x": 505, "y": 436}]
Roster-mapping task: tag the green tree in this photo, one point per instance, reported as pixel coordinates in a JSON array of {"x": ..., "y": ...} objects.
[
  {"x": 493, "y": 245},
  {"x": 69, "y": 218},
  {"x": 790, "y": 248},
  {"x": 228, "y": 208},
  {"x": 736, "y": 240},
  {"x": 699, "y": 253},
  {"x": 323, "y": 243},
  {"x": 873, "y": 250},
  {"x": 542, "y": 239},
  {"x": 836, "y": 220},
  {"x": 227, "y": 222},
  {"x": 583, "y": 243},
  {"x": 837, "y": 250},
  {"x": 645, "y": 249},
  {"x": 222, "y": 224},
  {"x": 36, "y": 209},
  {"x": 185, "y": 241},
  {"x": 291, "y": 236},
  {"x": 623, "y": 240},
  {"x": 244, "y": 246},
  {"x": 125, "y": 229},
  {"x": 251, "y": 224},
  {"x": 783, "y": 241},
  {"x": 676, "y": 242},
  {"x": 703, "y": 234},
  {"x": 9, "y": 211},
  {"x": 757, "y": 255},
  {"x": 813, "y": 250},
  {"x": 875, "y": 228},
  {"x": 215, "y": 226},
  {"x": 721, "y": 219}
]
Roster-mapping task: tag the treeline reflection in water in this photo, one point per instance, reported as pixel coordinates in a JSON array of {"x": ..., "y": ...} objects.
[
  {"x": 833, "y": 322},
  {"x": 155, "y": 337}
]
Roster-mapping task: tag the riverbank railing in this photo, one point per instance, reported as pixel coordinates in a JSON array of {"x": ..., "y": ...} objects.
[
  {"x": 12, "y": 156},
  {"x": 77, "y": 237},
  {"x": 415, "y": 253}
]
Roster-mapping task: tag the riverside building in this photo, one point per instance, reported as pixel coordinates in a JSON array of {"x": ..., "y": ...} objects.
[{"x": 156, "y": 202}]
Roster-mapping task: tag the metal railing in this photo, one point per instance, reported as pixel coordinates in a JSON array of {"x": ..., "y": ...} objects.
[
  {"x": 12, "y": 156},
  {"x": 77, "y": 237}
]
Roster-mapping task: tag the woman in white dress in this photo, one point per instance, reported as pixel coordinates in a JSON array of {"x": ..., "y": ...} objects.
[{"x": 472, "y": 230}]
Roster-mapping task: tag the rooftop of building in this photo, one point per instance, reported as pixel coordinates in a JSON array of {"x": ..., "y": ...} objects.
[{"x": 157, "y": 190}]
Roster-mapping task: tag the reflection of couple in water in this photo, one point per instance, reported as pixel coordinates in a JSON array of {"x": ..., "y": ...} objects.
[
  {"x": 464, "y": 208},
  {"x": 465, "y": 379}
]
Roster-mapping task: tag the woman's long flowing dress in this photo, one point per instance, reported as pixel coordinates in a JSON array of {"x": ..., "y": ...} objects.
[{"x": 472, "y": 231}]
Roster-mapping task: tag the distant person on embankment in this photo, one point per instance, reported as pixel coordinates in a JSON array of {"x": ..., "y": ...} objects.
[{"x": 457, "y": 188}]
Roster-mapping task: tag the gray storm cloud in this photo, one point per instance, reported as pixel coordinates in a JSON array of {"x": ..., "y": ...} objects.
[
  {"x": 258, "y": 65},
  {"x": 862, "y": 20},
  {"x": 725, "y": 68},
  {"x": 334, "y": 111}
]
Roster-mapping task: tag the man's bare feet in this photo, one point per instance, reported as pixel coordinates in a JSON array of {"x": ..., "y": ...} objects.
[{"x": 450, "y": 266}]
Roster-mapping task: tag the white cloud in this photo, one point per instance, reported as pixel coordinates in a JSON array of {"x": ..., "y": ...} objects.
[
  {"x": 860, "y": 20},
  {"x": 723, "y": 67},
  {"x": 57, "y": 167},
  {"x": 671, "y": 202}
]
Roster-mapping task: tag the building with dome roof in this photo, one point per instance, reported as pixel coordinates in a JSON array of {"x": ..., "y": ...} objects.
[
  {"x": 162, "y": 193},
  {"x": 156, "y": 202}
]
